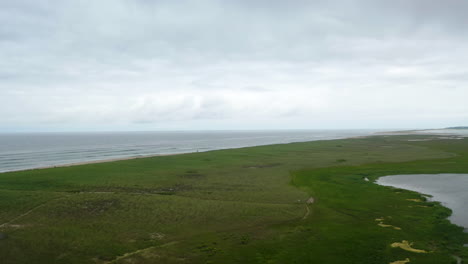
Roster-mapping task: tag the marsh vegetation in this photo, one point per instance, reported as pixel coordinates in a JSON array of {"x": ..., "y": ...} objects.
[{"x": 237, "y": 206}]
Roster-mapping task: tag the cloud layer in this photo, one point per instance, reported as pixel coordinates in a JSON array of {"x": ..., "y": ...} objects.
[{"x": 140, "y": 64}]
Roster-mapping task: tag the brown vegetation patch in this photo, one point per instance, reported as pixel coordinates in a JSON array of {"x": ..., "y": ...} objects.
[
  {"x": 261, "y": 166},
  {"x": 192, "y": 174},
  {"x": 98, "y": 207},
  {"x": 86, "y": 208}
]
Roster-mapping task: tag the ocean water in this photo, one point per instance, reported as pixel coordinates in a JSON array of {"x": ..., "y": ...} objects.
[
  {"x": 449, "y": 189},
  {"x": 35, "y": 150}
]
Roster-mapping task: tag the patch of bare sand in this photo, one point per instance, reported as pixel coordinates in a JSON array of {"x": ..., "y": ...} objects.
[
  {"x": 415, "y": 200},
  {"x": 309, "y": 201},
  {"x": 401, "y": 261},
  {"x": 405, "y": 245},
  {"x": 384, "y": 225},
  {"x": 381, "y": 224}
]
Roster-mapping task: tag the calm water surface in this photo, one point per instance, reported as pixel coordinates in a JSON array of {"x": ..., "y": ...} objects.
[
  {"x": 449, "y": 189},
  {"x": 34, "y": 150}
]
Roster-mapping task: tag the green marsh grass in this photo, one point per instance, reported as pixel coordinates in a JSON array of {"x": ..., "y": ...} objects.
[{"x": 235, "y": 206}]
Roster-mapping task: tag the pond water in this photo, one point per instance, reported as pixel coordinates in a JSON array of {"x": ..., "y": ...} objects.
[{"x": 449, "y": 189}]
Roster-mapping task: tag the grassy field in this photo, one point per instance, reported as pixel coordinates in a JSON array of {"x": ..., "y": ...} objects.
[{"x": 244, "y": 205}]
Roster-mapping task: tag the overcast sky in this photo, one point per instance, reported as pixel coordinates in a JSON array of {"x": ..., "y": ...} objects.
[{"x": 253, "y": 64}]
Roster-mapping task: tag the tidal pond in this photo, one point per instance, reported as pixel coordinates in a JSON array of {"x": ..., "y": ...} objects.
[{"x": 449, "y": 189}]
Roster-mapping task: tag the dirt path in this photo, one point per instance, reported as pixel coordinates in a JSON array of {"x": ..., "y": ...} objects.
[
  {"x": 28, "y": 212},
  {"x": 140, "y": 251}
]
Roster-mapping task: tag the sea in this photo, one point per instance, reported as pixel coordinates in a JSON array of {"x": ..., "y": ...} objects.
[{"x": 22, "y": 151}]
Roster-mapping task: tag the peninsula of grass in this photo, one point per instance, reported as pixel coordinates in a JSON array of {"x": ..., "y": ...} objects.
[{"x": 312, "y": 202}]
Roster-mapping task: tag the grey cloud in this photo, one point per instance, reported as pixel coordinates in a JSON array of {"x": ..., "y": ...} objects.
[{"x": 107, "y": 61}]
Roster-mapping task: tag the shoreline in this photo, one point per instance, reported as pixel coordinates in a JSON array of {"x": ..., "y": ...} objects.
[
  {"x": 97, "y": 162},
  {"x": 384, "y": 133},
  {"x": 425, "y": 132},
  {"x": 169, "y": 154},
  {"x": 445, "y": 200}
]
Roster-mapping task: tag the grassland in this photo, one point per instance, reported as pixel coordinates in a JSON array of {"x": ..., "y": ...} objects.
[{"x": 244, "y": 205}]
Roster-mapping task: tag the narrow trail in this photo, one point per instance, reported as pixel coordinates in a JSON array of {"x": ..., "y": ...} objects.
[
  {"x": 126, "y": 255},
  {"x": 28, "y": 212},
  {"x": 311, "y": 200},
  {"x": 307, "y": 212},
  {"x": 188, "y": 197}
]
